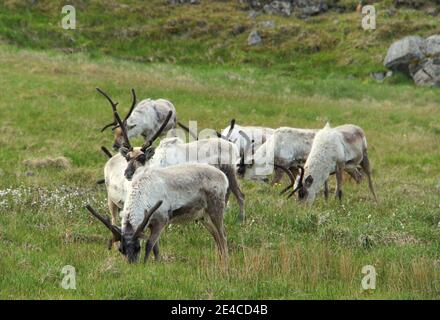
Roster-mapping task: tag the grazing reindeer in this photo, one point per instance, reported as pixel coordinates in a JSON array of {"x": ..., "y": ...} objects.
[
  {"x": 171, "y": 151},
  {"x": 116, "y": 184},
  {"x": 143, "y": 118},
  {"x": 286, "y": 148},
  {"x": 162, "y": 196},
  {"x": 334, "y": 150}
]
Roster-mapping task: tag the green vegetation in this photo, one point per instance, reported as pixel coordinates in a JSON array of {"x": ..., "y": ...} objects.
[
  {"x": 49, "y": 107},
  {"x": 214, "y": 32}
]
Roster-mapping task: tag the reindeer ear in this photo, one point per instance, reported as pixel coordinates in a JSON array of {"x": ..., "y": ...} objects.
[
  {"x": 149, "y": 153},
  {"x": 124, "y": 151},
  {"x": 308, "y": 182}
]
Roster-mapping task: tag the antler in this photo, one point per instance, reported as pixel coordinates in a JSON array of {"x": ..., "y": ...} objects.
[
  {"x": 231, "y": 127},
  {"x": 106, "y": 152},
  {"x": 133, "y": 104},
  {"x": 117, "y": 235},
  {"x": 115, "y": 124},
  {"x": 158, "y": 133},
  {"x": 141, "y": 227},
  {"x": 249, "y": 144},
  {"x": 113, "y": 104},
  {"x": 300, "y": 183},
  {"x": 124, "y": 131},
  {"x": 289, "y": 174},
  {"x": 187, "y": 130}
]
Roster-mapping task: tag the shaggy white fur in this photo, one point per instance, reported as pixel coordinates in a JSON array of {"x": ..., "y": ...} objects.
[{"x": 148, "y": 116}]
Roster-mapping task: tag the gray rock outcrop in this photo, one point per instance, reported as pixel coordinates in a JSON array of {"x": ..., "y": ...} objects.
[{"x": 416, "y": 57}]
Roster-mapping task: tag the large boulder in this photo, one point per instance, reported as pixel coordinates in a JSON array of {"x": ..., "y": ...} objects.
[
  {"x": 428, "y": 74},
  {"x": 402, "y": 53},
  {"x": 432, "y": 46},
  {"x": 417, "y": 57}
]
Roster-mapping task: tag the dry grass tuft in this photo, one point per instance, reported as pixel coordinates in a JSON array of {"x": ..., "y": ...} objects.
[{"x": 57, "y": 162}]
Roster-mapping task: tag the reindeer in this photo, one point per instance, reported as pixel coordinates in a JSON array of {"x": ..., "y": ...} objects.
[
  {"x": 162, "y": 196},
  {"x": 171, "y": 151},
  {"x": 116, "y": 184},
  {"x": 257, "y": 134},
  {"x": 243, "y": 137},
  {"x": 142, "y": 119},
  {"x": 286, "y": 150},
  {"x": 334, "y": 150}
]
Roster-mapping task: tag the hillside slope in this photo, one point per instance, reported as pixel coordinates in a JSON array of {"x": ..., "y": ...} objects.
[{"x": 216, "y": 32}]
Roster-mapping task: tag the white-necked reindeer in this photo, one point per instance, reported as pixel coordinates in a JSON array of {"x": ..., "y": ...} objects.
[
  {"x": 143, "y": 118},
  {"x": 171, "y": 151},
  {"x": 334, "y": 150},
  {"x": 176, "y": 194},
  {"x": 115, "y": 181}
]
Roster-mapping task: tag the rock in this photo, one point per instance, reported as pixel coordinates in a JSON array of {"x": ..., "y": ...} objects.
[
  {"x": 279, "y": 7},
  {"x": 254, "y": 38},
  {"x": 428, "y": 74},
  {"x": 381, "y": 76},
  {"x": 432, "y": 46},
  {"x": 402, "y": 53},
  {"x": 306, "y": 8}
]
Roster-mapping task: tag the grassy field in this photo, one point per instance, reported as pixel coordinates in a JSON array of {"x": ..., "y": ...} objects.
[
  {"x": 191, "y": 55},
  {"x": 49, "y": 108}
]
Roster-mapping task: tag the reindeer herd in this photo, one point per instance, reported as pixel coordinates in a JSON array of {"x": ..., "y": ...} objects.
[{"x": 150, "y": 187}]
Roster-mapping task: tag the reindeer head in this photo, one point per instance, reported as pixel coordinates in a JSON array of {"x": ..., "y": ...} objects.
[
  {"x": 306, "y": 188},
  {"x": 129, "y": 240},
  {"x": 117, "y": 128},
  {"x": 299, "y": 186},
  {"x": 137, "y": 158},
  {"x": 247, "y": 169}
]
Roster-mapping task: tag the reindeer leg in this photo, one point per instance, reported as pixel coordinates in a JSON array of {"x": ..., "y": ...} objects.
[
  {"x": 355, "y": 174},
  {"x": 278, "y": 176},
  {"x": 365, "y": 164},
  {"x": 156, "y": 251},
  {"x": 326, "y": 189},
  {"x": 114, "y": 210},
  {"x": 339, "y": 181},
  {"x": 235, "y": 189},
  {"x": 156, "y": 228},
  {"x": 228, "y": 194},
  {"x": 216, "y": 227}
]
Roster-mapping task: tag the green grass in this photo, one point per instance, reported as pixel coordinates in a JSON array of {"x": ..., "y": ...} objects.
[
  {"x": 49, "y": 107},
  {"x": 326, "y": 46},
  {"x": 305, "y": 73}
]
